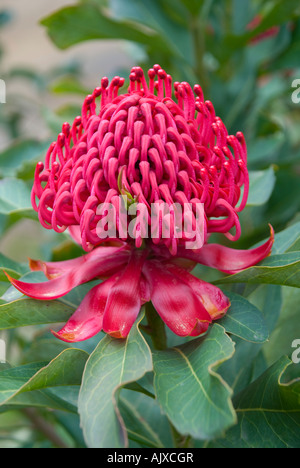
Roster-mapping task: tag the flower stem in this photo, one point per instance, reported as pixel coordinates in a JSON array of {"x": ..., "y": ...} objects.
[{"x": 156, "y": 328}]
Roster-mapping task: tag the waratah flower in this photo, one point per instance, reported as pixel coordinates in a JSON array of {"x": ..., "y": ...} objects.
[{"x": 160, "y": 143}]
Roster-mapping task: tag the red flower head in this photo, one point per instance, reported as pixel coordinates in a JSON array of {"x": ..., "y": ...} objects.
[{"x": 155, "y": 150}]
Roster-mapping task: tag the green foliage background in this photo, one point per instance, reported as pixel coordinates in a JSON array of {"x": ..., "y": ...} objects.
[{"x": 236, "y": 387}]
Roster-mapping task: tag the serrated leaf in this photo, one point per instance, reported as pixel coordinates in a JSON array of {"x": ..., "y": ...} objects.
[
  {"x": 191, "y": 393},
  {"x": 113, "y": 363}
]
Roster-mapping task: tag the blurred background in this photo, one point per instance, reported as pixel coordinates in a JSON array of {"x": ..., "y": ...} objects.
[
  {"x": 42, "y": 89},
  {"x": 28, "y": 53},
  {"x": 244, "y": 53}
]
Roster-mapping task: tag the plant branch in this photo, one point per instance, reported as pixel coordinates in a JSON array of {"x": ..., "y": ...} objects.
[{"x": 44, "y": 427}]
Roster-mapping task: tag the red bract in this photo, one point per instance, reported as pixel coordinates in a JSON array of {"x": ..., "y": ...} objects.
[{"x": 155, "y": 149}]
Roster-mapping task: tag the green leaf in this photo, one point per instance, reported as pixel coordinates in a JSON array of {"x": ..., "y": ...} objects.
[
  {"x": 137, "y": 387},
  {"x": 13, "y": 379},
  {"x": 268, "y": 412},
  {"x": 58, "y": 398},
  {"x": 78, "y": 23},
  {"x": 242, "y": 369},
  {"x": 144, "y": 422},
  {"x": 278, "y": 269},
  {"x": 53, "y": 385},
  {"x": 12, "y": 294},
  {"x": 11, "y": 267},
  {"x": 14, "y": 196},
  {"x": 261, "y": 187},
  {"x": 287, "y": 240},
  {"x": 152, "y": 14},
  {"x": 244, "y": 320},
  {"x": 192, "y": 394},
  {"x": 113, "y": 363},
  {"x": 44, "y": 347},
  {"x": 66, "y": 369},
  {"x": 19, "y": 153},
  {"x": 288, "y": 326},
  {"x": 25, "y": 311},
  {"x": 241, "y": 15},
  {"x": 192, "y": 5},
  {"x": 268, "y": 299},
  {"x": 266, "y": 149},
  {"x": 69, "y": 85}
]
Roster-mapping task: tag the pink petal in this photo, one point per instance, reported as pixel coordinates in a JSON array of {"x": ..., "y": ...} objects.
[
  {"x": 144, "y": 290},
  {"x": 95, "y": 268},
  {"x": 88, "y": 319},
  {"x": 229, "y": 260},
  {"x": 75, "y": 234},
  {"x": 175, "y": 301},
  {"x": 212, "y": 298},
  {"x": 53, "y": 270},
  {"x": 124, "y": 301}
]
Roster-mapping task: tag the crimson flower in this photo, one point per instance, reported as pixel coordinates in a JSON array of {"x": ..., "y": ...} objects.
[{"x": 152, "y": 148}]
